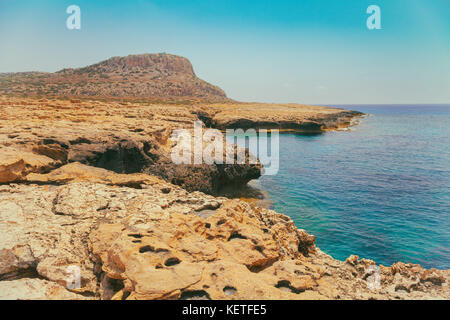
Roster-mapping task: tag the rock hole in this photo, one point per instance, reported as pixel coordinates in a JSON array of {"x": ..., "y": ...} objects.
[
  {"x": 229, "y": 291},
  {"x": 122, "y": 158},
  {"x": 236, "y": 235},
  {"x": 52, "y": 141},
  {"x": 110, "y": 287},
  {"x": 285, "y": 285},
  {"x": 166, "y": 190},
  {"x": 149, "y": 248},
  {"x": 172, "y": 261},
  {"x": 115, "y": 284},
  {"x": 105, "y": 207},
  {"x": 80, "y": 141},
  {"x": 146, "y": 249},
  {"x": 125, "y": 295},
  {"x": 30, "y": 272},
  {"x": 195, "y": 295},
  {"x": 259, "y": 249},
  {"x": 401, "y": 287}
]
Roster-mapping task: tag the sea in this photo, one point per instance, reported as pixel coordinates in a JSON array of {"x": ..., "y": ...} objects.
[{"x": 380, "y": 190}]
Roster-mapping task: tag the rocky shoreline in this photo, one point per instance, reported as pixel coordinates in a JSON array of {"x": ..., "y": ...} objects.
[{"x": 88, "y": 184}]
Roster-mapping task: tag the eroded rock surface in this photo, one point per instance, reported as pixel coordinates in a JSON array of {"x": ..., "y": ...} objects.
[
  {"x": 35, "y": 289},
  {"x": 38, "y": 136},
  {"x": 78, "y": 191},
  {"x": 155, "y": 240}
]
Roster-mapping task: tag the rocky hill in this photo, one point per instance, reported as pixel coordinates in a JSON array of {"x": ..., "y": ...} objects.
[{"x": 141, "y": 77}]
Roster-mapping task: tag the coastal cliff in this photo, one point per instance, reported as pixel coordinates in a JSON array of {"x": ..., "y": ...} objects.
[
  {"x": 89, "y": 184},
  {"x": 40, "y": 135}
]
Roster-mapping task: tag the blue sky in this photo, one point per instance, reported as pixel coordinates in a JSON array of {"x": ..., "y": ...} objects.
[{"x": 305, "y": 51}]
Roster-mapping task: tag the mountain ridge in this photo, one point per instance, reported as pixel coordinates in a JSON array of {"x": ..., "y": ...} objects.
[{"x": 138, "y": 76}]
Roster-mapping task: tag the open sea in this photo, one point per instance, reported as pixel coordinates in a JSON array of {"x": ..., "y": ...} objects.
[{"x": 380, "y": 190}]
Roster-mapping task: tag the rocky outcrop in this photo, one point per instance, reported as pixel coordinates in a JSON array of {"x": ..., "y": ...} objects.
[
  {"x": 87, "y": 186},
  {"x": 40, "y": 135},
  {"x": 16, "y": 164},
  {"x": 124, "y": 138},
  {"x": 146, "y": 76},
  {"x": 285, "y": 117},
  {"x": 138, "y": 237}
]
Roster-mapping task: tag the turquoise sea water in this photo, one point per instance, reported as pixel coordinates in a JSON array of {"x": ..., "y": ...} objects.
[{"x": 381, "y": 190}]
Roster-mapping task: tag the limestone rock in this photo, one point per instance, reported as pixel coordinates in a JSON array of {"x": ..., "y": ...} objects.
[
  {"x": 93, "y": 189},
  {"x": 16, "y": 164},
  {"x": 158, "y": 241},
  {"x": 35, "y": 289},
  {"x": 124, "y": 139},
  {"x": 285, "y": 117}
]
